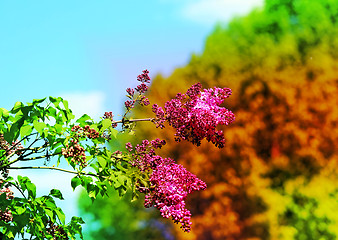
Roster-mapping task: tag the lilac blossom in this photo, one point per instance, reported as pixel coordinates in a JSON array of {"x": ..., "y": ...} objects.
[
  {"x": 196, "y": 114},
  {"x": 170, "y": 183},
  {"x": 140, "y": 89}
]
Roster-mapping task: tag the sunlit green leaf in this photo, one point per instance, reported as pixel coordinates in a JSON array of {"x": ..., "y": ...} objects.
[
  {"x": 37, "y": 101},
  {"x": 17, "y": 107},
  {"x": 31, "y": 188},
  {"x": 39, "y": 126},
  {"x": 102, "y": 161},
  {"x": 25, "y": 130},
  {"x": 61, "y": 215},
  {"x": 20, "y": 210},
  {"x": 4, "y": 112},
  {"x": 9, "y": 235},
  {"x": 65, "y": 104},
  {"x": 76, "y": 181},
  {"x": 49, "y": 213},
  {"x": 86, "y": 180},
  {"x": 113, "y": 132},
  {"x": 82, "y": 120},
  {"x": 92, "y": 194},
  {"x": 56, "y": 193},
  {"x": 106, "y": 123}
]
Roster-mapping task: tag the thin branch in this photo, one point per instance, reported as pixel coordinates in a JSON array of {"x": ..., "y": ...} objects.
[
  {"x": 55, "y": 168},
  {"x": 22, "y": 158},
  {"x": 43, "y": 146},
  {"x": 35, "y": 151},
  {"x": 17, "y": 187},
  {"x": 134, "y": 120},
  {"x": 34, "y": 158},
  {"x": 32, "y": 149},
  {"x": 13, "y": 146}
]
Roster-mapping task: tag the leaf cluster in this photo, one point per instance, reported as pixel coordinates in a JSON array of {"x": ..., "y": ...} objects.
[{"x": 36, "y": 132}]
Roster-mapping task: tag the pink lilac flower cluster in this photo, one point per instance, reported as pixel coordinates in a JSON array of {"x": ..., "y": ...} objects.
[
  {"x": 14, "y": 148},
  {"x": 57, "y": 232},
  {"x": 196, "y": 114},
  {"x": 73, "y": 149},
  {"x": 170, "y": 183},
  {"x": 6, "y": 215},
  {"x": 141, "y": 89},
  {"x": 9, "y": 150}
]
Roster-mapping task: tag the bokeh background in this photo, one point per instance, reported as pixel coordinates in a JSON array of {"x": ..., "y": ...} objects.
[{"x": 277, "y": 176}]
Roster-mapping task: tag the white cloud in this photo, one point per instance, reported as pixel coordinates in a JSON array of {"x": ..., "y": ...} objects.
[
  {"x": 208, "y": 12},
  {"x": 91, "y": 103}
]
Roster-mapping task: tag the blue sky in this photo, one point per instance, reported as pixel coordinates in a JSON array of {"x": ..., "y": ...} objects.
[{"x": 89, "y": 52}]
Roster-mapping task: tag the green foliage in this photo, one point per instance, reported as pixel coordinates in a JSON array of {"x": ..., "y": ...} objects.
[
  {"x": 32, "y": 215},
  {"x": 38, "y": 131}
]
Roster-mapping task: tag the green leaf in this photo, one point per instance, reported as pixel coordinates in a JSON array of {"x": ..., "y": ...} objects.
[
  {"x": 82, "y": 120},
  {"x": 4, "y": 113},
  {"x": 56, "y": 193},
  {"x": 2, "y": 198},
  {"x": 106, "y": 123},
  {"x": 31, "y": 188},
  {"x": 19, "y": 210},
  {"x": 64, "y": 116},
  {"x": 9, "y": 235},
  {"x": 55, "y": 101},
  {"x": 25, "y": 110},
  {"x": 122, "y": 191},
  {"x": 74, "y": 226},
  {"x": 68, "y": 114},
  {"x": 61, "y": 215},
  {"x": 39, "y": 126},
  {"x": 22, "y": 181},
  {"x": 13, "y": 133},
  {"x": 76, "y": 181},
  {"x": 49, "y": 213},
  {"x": 134, "y": 196},
  {"x": 26, "y": 184},
  {"x": 77, "y": 220},
  {"x": 49, "y": 202},
  {"x": 17, "y": 107},
  {"x": 52, "y": 112},
  {"x": 58, "y": 128},
  {"x": 113, "y": 132},
  {"x": 85, "y": 181},
  {"x": 65, "y": 104},
  {"x": 37, "y": 101},
  {"x": 92, "y": 194},
  {"x": 25, "y": 130},
  {"x": 102, "y": 161}
]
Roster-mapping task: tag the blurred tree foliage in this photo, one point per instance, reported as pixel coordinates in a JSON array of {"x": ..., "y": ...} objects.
[
  {"x": 119, "y": 219},
  {"x": 277, "y": 176}
]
